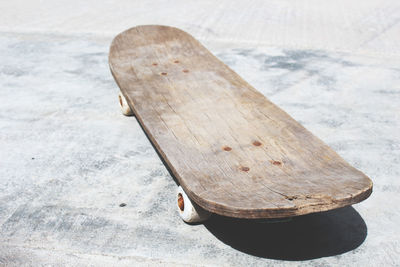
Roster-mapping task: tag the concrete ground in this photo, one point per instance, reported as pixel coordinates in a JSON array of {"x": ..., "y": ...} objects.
[{"x": 68, "y": 158}]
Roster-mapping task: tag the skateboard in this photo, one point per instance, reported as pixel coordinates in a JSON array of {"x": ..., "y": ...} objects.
[{"x": 232, "y": 151}]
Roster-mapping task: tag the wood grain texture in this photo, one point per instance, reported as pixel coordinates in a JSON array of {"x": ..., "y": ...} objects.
[{"x": 233, "y": 151}]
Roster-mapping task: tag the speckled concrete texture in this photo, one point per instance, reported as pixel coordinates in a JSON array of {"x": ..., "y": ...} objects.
[{"x": 68, "y": 158}]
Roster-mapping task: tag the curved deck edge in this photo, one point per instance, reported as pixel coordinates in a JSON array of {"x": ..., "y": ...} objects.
[{"x": 299, "y": 209}]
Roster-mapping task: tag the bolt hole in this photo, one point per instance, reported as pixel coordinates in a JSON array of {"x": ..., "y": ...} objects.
[
  {"x": 176, "y": 61},
  {"x": 154, "y": 64},
  {"x": 227, "y": 148},
  {"x": 185, "y": 71},
  {"x": 257, "y": 143},
  {"x": 181, "y": 204},
  {"x": 276, "y": 163},
  {"x": 245, "y": 169},
  {"x": 122, "y": 205},
  {"x": 163, "y": 73}
]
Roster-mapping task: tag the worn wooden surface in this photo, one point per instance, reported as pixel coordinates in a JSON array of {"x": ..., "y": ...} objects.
[{"x": 233, "y": 151}]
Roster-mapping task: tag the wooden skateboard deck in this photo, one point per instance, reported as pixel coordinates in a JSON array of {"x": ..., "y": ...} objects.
[{"x": 233, "y": 151}]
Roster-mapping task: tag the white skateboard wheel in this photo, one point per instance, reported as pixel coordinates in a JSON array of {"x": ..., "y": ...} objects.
[
  {"x": 126, "y": 110},
  {"x": 189, "y": 211}
]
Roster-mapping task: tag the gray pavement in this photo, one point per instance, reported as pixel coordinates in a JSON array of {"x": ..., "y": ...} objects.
[{"x": 68, "y": 158}]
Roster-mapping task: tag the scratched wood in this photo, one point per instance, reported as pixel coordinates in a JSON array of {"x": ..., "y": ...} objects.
[{"x": 233, "y": 151}]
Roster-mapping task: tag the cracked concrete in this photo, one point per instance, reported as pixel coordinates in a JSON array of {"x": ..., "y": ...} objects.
[{"x": 68, "y": 158}]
